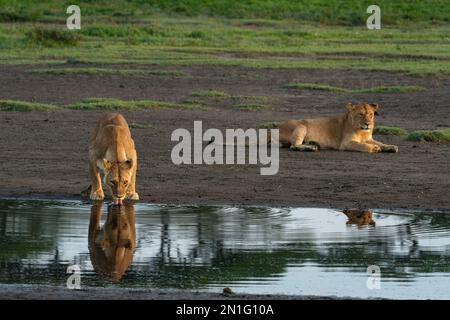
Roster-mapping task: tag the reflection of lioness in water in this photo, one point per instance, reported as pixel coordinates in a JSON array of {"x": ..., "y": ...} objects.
[
  {"x": 112, "y": 150},
  {"x": 111, "y": 246},
  {"x": 351, "y": 132},
  {"x": 359, "y": 217}
]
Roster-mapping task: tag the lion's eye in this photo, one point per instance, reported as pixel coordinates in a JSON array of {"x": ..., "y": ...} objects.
[
  {"x": 113, "y": 183},
  {"x": 125, "y": 182}
]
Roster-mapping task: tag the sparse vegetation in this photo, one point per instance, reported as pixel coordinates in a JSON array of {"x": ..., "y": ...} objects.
[
  {"x": 23, "y": 106},
  {"x": 313, "y": 86},
  {"x": 135, "y": 125},
  {"x": 251, "y": 98},
  {"x": 250, "y": 107},
  {"x": 224, "y": 95},
  {"x": 117, "y": 104},
  {"x": 394, "y": 89},
  {"x": 383, "y": 89},
  {"x": 390, "y": 131},
  {"x": 107, "y": 71},
  {"x": 438, "y": 135},
  {"x": 210, "y": 93},
  {"x": 268, "y": 125}
]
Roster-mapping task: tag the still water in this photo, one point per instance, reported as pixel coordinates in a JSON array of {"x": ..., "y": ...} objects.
[{"x": 298, "y": 251}]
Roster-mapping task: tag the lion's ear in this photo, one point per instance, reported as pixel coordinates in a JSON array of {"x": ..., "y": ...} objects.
[
  {"x": 106, "y": 164},
  {"x": 350, "y": 106},
  {"x": 375, "y": 107}
]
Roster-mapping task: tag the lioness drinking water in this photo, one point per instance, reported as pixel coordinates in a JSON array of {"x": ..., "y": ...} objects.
[
  {"x": 112, "y": 151},
  {"x": 351, "y": 132}
]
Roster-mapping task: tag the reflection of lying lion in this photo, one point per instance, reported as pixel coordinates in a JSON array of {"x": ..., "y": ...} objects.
[
  {"x": 111, "y": 246},
  {"x": 359, "y": 217},
  {"x": 351, "y": 131}
]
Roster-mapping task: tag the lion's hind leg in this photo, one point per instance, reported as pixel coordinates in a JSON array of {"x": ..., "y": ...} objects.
[
  {"x": 132, "y": 194},
  {"x": 297, "y": 140},
  {"x": 86, "y": 192}
]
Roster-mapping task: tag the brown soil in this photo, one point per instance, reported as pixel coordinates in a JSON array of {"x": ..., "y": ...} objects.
[
  {"x": 45, "y": 153},
  {"x": 42, "y": 292}
]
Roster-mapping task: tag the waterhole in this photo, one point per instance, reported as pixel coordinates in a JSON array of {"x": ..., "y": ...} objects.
[{"x": 254, "y": 250}]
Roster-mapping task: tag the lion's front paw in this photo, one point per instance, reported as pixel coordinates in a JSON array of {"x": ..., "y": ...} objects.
[
  {"x": 374, "y": 148},
  {"x": 390, "y": 148},
  {"x": 305, "y": 147},
  {"x": 133, "y": 196},
  {"x": 97, "y": 195}
]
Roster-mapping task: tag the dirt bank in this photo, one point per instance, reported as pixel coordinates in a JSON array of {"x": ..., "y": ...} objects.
[{"x": 45, "y": 153}]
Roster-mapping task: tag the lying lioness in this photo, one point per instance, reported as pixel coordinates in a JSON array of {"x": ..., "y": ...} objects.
[
  {"x": 351, "y": 131},
  {"x": 112, "y": 151}
]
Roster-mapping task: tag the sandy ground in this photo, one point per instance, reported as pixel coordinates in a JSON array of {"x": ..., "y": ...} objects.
[{"x": 45, "y": 153}]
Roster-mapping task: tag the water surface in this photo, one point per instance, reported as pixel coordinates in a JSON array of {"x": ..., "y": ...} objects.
[{"x": 298, "y": 251}]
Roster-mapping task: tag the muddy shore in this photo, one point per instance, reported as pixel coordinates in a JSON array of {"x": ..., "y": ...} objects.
[
  {"x": 45, "y": 153},
  {"x": 29, "y": 292}
]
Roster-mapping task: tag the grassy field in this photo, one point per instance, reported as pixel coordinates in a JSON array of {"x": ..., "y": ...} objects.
[
  {"x": 415, "y": 35},
  {"x": 349, "y": 12}
]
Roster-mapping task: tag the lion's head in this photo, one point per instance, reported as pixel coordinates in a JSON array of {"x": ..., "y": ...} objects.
[
  {"x": 118, "y": 177},
  {"x": 359, "y": 217},
  {"x": 362, "y": 115}
]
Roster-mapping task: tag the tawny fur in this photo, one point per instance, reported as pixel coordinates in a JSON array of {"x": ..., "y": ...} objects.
[
  {"x": 111, "y": 246},
  {"x": 349, "y": 132},
  {"x": 359, "y": 217},
  {"x": 112, "y": 152}
]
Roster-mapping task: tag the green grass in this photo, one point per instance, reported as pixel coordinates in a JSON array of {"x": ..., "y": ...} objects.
[
  {"x": 383, "y": 89},
  {"x": 250, "y": 107},
  {"x": 350, "y": 12},
  {"x": 438, "y": 135},
  {"x": 135, "y": 125},
  {"x": 97, "y": 103},
  {"x": 390, "y": 131},
  {"x": 269, "y": 125},
  {"x": 394, "y": 89},
  {"x": 210, "y": 93},
  {"x": 250, "y": 98},
  {"x": 277, "y": 44},
  {"x": 117, "y": 104},
  {"x": 107, "y": 71},
  {"x": 304, "y": 34},
  {"x": 313, "y": 86},
  {"x": 11, "y": 14},
  {"x": 50, "y": 37},
  {"x": 13, "y": 105},
  {"x": 224, "y": 95}
]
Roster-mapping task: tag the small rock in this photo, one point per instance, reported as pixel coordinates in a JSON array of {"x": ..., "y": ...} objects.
[{"x": 227, "y": 291}]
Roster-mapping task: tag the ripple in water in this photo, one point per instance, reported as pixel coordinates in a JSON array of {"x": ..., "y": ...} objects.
[{"x": 298, "y": 251}]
